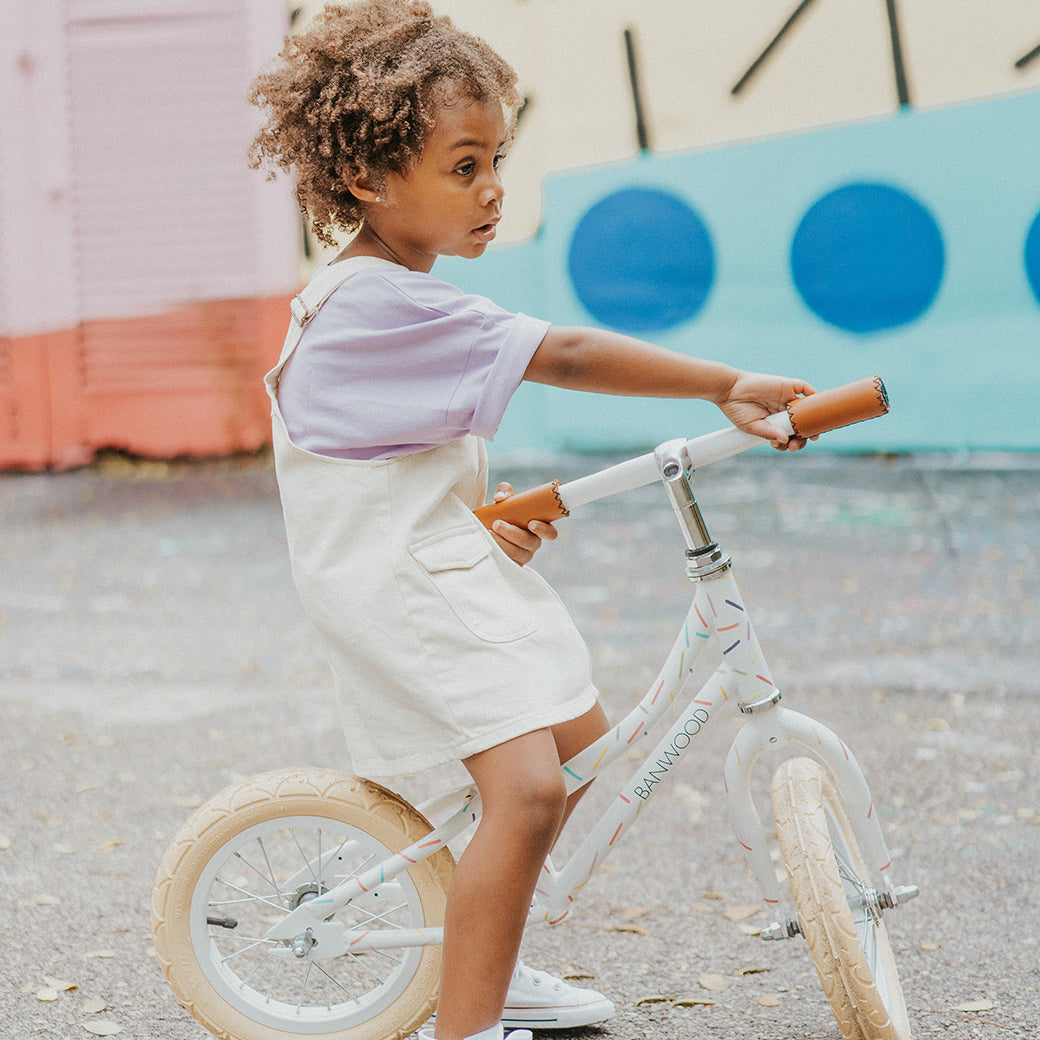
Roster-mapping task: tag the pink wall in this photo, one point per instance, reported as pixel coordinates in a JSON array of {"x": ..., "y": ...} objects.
[{"x": 143, "y": 265}]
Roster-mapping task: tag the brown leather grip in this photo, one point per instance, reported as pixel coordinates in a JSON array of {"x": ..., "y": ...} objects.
[
  {"x": 540, "y": 503},
  {"x": 842, "y": 406}
]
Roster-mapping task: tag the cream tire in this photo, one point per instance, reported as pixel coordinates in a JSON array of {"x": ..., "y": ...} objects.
[
  {"x": 848, "y": 944},
  {"x": 251, "y": 854}
]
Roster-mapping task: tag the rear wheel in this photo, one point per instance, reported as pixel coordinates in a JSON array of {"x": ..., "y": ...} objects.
[
  {"x": 251, "y": 855},
  {"x": 831, "y": 887}
]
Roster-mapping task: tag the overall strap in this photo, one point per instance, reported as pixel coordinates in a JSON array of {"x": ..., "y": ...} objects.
[{"x": 325, "y": 281}]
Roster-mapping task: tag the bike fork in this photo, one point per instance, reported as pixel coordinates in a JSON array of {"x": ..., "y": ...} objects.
[{"x": 746, "y": 679}]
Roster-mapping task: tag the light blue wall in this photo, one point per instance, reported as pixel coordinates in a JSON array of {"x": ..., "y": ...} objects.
[{"x": 963, "y": 375}]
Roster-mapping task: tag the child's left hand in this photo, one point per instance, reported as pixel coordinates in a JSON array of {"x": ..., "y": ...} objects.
[
  {"x": 754, "y": 396},
  {"x": 518, "y": 543}
]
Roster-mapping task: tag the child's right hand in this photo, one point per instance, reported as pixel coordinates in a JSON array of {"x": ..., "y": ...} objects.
[{"x": 518, "y": 543}]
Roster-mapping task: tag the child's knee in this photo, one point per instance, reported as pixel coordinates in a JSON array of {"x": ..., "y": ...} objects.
[{"x": 541, "y": 798}]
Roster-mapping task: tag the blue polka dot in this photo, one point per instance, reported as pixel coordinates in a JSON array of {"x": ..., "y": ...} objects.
[
  {"x": 641, "y": 260},
  {"x": 1033, "y": 257},
  {"x": 867, "y": 257}
]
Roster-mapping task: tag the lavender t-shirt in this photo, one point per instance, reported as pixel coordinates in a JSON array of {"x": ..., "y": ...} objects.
[{"x": 398, "y": 361}]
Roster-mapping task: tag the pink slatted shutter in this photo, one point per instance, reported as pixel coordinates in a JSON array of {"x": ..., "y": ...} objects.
[{"x": 176, "y": 257}]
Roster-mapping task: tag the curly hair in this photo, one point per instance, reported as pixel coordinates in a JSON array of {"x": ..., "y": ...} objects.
[{"x": 354, "y": 93}]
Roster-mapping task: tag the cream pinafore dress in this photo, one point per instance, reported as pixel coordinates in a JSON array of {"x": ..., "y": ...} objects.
[{"x": 440, "y": 645}]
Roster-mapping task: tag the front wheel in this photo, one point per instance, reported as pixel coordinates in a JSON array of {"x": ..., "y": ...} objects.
[
  {"x": 830, "y": 885},
  {"x": 251, "y": 855}
]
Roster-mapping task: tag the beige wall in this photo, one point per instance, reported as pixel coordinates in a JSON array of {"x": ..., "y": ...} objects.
[{"x": 834, "y": 66}]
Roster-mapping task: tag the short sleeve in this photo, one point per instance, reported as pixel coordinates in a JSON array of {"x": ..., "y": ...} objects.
[{"x": 398, "y": 361}]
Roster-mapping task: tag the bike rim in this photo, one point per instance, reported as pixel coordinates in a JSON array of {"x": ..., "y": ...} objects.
[
  {"x": 870, "y": 929},
  {"x": 261, "y": 875}
]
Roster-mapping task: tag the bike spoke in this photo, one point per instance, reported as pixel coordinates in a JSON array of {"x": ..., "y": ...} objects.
[
  {"x": 269, "y": 880},
  {"x": 307, "y": 862},
  {"x": 252, "y": 946},
  {"x": 370, "y": 918},
  {"x": 252, "y": 897},
  {"x": 335, "y": 982}
]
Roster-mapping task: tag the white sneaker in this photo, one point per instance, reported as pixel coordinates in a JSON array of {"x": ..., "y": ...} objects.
[{"x": 539, "y": 1000}]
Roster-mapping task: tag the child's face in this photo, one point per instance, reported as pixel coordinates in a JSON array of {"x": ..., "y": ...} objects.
[{"x": 450, "y": 203}]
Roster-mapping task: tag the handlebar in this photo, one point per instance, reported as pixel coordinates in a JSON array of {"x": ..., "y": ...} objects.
[{"x": 804, "y": 417}]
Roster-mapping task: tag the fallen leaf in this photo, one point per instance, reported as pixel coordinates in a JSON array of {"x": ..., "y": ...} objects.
[
  {"x": 656, "y": 998},
  {"x": 715, "y": 895},
  {"x": 750, "y": 929},
  {"x": 633, "y": 928},
  {"x": 86, "y": 785},
  {"x": 112, "y": 843},
  {"x": 976, "y": 1005},
  {"x": 102, "y": 1027},
  {"x": 634, "y": 912},
  {"x": 60, "y": 984},
  {"x": 694, "y": 800},
  {"x": 577, "y": 976},
  {"x": 931, "y": 947},
  {"x": 715, "y": 983},
  {"x": 63, "y": 850},
  {"x": 742, "y": 912},
  {"x": 693, "y": 1002},
  {"x": 93, "y": 1006},
  {"x": 769, "y": 1000},
  {"x": 47, "y": 994},
  {"x": 753, "y": 969},
  {"x": 43, "y": 899}
]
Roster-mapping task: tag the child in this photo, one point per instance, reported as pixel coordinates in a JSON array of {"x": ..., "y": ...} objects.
[{"x": 442, "y": 647}]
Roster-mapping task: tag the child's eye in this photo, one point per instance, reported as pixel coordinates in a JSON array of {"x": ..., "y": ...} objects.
[
  {"x": 466, "y": 168},
  {"x": 498, "y": 159}
]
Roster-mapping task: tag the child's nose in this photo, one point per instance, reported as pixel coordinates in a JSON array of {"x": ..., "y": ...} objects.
[{"x": 493, "y": 189}]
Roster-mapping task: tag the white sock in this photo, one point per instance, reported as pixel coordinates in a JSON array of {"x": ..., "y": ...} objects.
[{"x": 494, "y": 1033}]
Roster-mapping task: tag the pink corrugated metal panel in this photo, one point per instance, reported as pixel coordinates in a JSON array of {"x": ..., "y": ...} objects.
[
  {"x": 187, "y": 382},
  {"x": 167, "y": 260},
  {"x": 37, "y": 282},
  {"x": 159, "y": 125}
]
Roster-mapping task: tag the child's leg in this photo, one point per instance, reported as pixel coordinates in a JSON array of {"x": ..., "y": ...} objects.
[{"x": 523, "y": 800}]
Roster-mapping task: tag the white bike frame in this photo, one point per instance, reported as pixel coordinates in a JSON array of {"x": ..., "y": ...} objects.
[{"x": 717, "y": 618}]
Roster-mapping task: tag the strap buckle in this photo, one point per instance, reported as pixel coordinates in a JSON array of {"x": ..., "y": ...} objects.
[{"x": 300, "y": 311}]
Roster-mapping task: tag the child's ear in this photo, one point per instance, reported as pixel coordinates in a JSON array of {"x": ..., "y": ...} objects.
[{"x": 362, "y": 187}]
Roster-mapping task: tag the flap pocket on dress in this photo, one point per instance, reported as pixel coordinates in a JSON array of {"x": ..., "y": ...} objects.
[
  {"x": 463, "y": 569},
  {"x": 458, "y": 550}
]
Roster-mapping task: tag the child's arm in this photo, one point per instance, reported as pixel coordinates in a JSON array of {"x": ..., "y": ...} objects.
[{"x": 609, "y": 363}]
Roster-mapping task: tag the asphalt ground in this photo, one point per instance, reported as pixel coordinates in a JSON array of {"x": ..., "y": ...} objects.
[{"x": 152, "y": 651}]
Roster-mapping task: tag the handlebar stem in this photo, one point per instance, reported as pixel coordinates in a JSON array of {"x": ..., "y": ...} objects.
[{"x": 704, "y": 559}]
